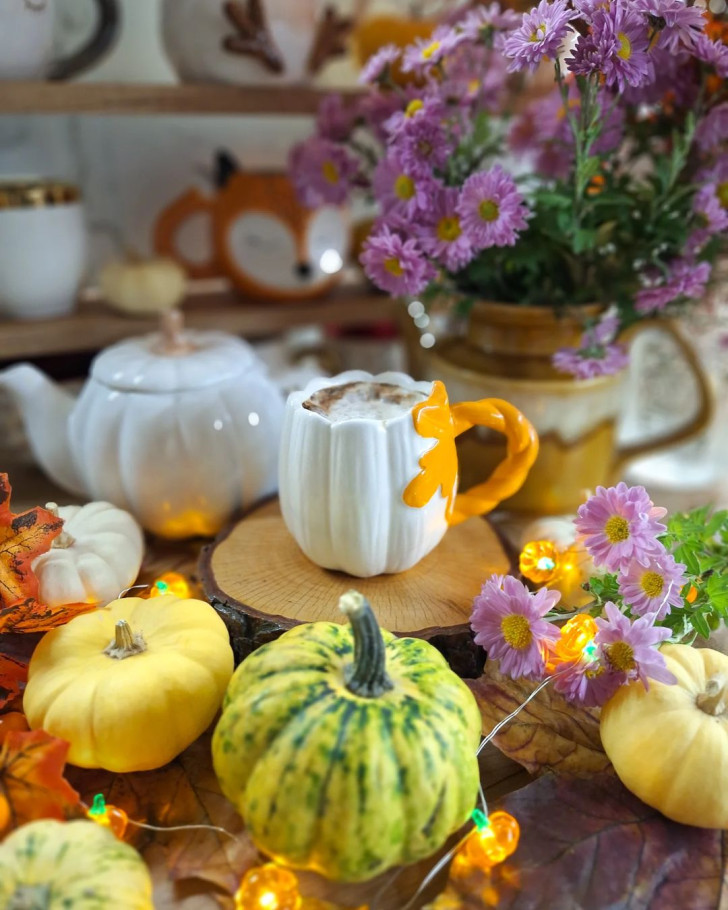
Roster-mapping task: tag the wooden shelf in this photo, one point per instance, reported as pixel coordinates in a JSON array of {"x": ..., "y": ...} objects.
[
  {"x": 94, "y": 326},
  {"x": 113, "y": 98}
]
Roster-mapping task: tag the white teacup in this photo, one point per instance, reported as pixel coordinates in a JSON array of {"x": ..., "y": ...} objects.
[
  {"x": 42, "y": 248},
  {"x": 368, "y": 469}
]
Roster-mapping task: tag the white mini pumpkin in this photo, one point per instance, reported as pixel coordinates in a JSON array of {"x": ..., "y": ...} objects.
[
  {"x": 98, "y": 554},
  {"x": 143, "y": 286}
]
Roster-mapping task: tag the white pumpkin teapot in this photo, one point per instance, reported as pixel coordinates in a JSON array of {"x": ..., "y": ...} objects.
[{"x": 180, "y": 428}]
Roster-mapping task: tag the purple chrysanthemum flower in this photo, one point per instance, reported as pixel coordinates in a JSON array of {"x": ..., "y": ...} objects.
[
  {"x": 491, "y": 209},
  {"x": 677, "y": 23},
  {"x": 714, "y": 53},
  {"x": 709, "y": 206},
  {"x": 508, "y": 622},
  {"x": 620, "y": 524},
  {"x": 396, "y": 265},
  {"x": 376, "y": 108},
  {"x": 540, "y": 35},
  {"x": 442, "y": 234},
  {"x": 485, "y": 18},
  {"x": 589, "y": 683},
  {"x": 424, "y": 145},
  {"x": 420, "y": 106},
  {"x": 591, "y": 360},
  {"x": 631, "y": 647},
  {"x": 379, "y": 64},
  {"x": 654, "y": 587},
  {"x": 617, "y": 47},
  {"x": 335, "y": 119},
  {"x": 685, "y": 278},
  {"x": 322, "y": 172},
  {"x": 427, "y": 52},
  {"x": 399, "y": 193},
  {"x": 713, "y": 128}
]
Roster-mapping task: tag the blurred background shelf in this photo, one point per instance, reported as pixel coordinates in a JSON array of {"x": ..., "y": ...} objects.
[
  {"x": 118, "y": 98},
  {"x": 94, "y": 325}
]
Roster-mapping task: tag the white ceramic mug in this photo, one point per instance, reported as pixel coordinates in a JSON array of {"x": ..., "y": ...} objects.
[
  {"x": 26, "y": 40},
  {"x": 42, "y": 248},
  {"x": 374, "y": 492}
]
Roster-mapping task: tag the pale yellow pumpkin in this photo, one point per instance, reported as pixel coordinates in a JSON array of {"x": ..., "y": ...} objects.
[
  {"x": 669, "y": 745},
  {"x": 139, "y": 286},
  {"x": 80, "y": 865},
  {"x": 130, "y": 686}
]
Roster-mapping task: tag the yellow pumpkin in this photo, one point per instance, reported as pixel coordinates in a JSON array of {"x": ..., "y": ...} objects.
[
  {"x": 669, "y": 745},
  {"x": 132, "y": 685},
  {"x": 372, "y": 33},
  {"x": 143, "y": 286},
  {"x": 79, "y": 864}
]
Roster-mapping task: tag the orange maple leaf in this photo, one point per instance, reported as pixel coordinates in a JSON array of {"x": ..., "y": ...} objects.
[
  {"x": 23, "y": 537},
  {"x": 31, "y": 780},
  {"x": 13, "y": 673}
]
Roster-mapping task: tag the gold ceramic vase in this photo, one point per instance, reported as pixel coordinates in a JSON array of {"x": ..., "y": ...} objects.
[{"x": 506, "y": 353}]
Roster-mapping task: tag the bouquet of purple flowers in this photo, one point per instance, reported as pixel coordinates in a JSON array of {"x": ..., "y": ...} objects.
[{"x": 620, "y": 196}]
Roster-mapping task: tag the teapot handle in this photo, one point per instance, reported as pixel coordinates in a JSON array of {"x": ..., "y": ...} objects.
[
  {"x": 690, "y": 428},
  {"x": 102, "y": 40}
]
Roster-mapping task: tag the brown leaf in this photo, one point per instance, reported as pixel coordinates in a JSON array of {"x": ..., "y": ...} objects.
[
  {"x": 185, "y": 792},
  {"x": 31, "y": 780},
  {"x": 548, "y": 734},
  {"x": 589, "y": 844},
  {"x": 13, "y": 674},
  {"x": 22, "y": 538}
]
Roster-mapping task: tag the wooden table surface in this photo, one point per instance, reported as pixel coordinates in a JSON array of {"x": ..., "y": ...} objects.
[{"x": 499, "y": 775}]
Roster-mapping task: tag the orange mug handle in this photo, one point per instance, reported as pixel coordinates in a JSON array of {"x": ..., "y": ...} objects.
[
  {"x": 169, "y": 221},
  {"x": 508, "y": 477}
]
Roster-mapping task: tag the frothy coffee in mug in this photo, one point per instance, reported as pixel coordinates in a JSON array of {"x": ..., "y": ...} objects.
[{"x": 368, "y": 400}]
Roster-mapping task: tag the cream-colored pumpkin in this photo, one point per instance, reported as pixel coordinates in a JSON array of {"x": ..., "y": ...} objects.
[
  {"x": 143, "y": 286},
  {"x": 669, "y": 745},
  {"x": 79, "y": 865},
  {"x": 130, "y": 686},
  {"x": 97, "y": 555}
]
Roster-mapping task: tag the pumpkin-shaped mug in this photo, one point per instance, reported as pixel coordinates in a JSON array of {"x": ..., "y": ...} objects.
[{"x": 368, "y": 471}]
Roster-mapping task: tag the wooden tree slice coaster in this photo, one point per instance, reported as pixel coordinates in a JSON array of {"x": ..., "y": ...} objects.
[{"x": 259, "y": 581}]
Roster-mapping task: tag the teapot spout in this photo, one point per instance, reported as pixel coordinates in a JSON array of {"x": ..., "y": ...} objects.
[{"x": 45, "y": 409}]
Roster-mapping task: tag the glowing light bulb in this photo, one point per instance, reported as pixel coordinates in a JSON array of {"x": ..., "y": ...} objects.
[
  {"x": 268, "y": 887},
  {"x": 540, "y": 561},
  {"x": 493, "y": 840},
  {"x": 576, "y": 642},
  {"x": 170, "y": 583},
  {"x": 111, "y": 817}
]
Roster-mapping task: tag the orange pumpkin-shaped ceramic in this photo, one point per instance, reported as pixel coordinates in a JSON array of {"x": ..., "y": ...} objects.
[{"x": 262, "y": 238}]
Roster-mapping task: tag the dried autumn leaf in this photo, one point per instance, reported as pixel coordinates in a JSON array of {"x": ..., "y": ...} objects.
[
  {"x": 548, "y": 735},
  {"x": 23, "y": 537},
  {"x": 31, "y": 780},
  {"x": 588, "y": 844},
  {"x": 13, "y": 673}
]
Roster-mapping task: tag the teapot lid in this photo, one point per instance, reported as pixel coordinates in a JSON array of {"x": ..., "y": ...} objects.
[{"x": 173, "y": 360}]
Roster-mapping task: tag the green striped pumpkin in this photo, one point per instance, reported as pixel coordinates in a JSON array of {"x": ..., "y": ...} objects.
[
  {"x": 347, "y": 750},
  {"x": 50, "y": 865}
]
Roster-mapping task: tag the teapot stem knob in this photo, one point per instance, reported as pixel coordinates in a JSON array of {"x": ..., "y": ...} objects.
[{"x": 173, "y": 342}]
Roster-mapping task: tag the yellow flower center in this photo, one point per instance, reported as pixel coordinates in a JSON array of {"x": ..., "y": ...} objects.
[
  {"x": 415, "y": 105},
  {"x": 516, "y": 630},
  {"x": 404, "y": 187},
  {"x": 448, "y": 228},
  {"x": 616, "y": 529},
  {"x": 473, "y": 85},
  {"x": 625, "y": 46},
  {"x": 538, "y": 34},
  {"x": 488, "y": 210},
  {"x": 620, "y": 655},
  {"x": 394, "y": 266},
  {"x": 431, "y": 49},
  {"x": 722, "y": 193},
  {"x": 594, "y": 671},
  {"x": 330, "y": 172},
  {"x": 652, "y": 584}
]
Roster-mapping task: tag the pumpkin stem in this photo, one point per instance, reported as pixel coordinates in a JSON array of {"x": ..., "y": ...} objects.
[
  {"x": 64, "y": 539},
  {"x": 126, "y": 643},
  {"x": 30, "y": 897},
  {"x": 367, "y": 676},
  {"x": 713, "y": 699}
]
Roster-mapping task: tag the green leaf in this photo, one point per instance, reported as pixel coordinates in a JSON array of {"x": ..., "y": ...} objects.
[
  {"x": 716, "y": 588},
  {"x": 700, "y": 623}
]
